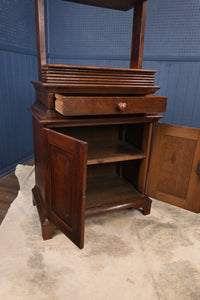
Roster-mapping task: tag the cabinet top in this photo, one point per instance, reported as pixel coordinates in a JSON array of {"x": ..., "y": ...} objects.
[{"x": 114, "y": 4}]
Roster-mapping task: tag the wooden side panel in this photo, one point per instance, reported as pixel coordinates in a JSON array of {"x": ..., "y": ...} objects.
[
  {"x": 66, "y": 165},
  {"x": 44, "y": 97},
  {"x": 173, "y": 176},
  {"x": 146, "y": 146},
  {"x": 39, "y": 154}
]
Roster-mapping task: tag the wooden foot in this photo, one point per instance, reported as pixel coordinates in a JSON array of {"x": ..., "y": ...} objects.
[
  {"x": 147, "y": 207},
  {"x": 33, "y": 200},
  {"x": 47, "y": 229},
  {"x": 46, "y": 226}
]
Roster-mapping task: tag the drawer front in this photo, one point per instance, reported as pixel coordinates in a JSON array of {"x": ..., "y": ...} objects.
[{"x": 88, "y": 105}]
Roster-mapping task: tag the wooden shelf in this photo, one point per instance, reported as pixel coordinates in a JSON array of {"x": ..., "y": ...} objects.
[
  {"x": 108, "y": 193},
  {"x": 112, "y": 151},
  {"x": 114, "y": 4}
]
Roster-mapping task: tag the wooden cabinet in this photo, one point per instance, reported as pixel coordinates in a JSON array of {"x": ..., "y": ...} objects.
[
  {"x": 88, "y": 167},
  {"x": 103, "y": 166},
  {"x": 94, "y": 130}
]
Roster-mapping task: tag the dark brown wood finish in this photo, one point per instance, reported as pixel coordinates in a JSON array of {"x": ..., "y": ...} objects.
[
  {"x": 40, "y": 34},
  {"x": 44, "y": 97},
  {"x": 137, "y": 46},
  {"x": 100, "y": 121},
  {"x": 67, "y": 105},
  {"x": 59, "y": 73},
  {"x": 47, "y": 227},
  {"x": 87, "y": 75},
  {"x": 173, "y": 176},
  {"x": 52, "y": 118},
  {"x": 94, "y": 89},
  {"x": 60, "y": 173},
  {"x": 66, "y": 184}
]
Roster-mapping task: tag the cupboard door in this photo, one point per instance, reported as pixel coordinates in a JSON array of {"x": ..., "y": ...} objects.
[
  {"x": 66, "y": 167},
  {"x": 174, "y": 174}
]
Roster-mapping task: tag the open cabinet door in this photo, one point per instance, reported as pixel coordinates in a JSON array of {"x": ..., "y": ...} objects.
[
  {"x": 174, "y": 174},
  {"x": 66, "y": 167}
]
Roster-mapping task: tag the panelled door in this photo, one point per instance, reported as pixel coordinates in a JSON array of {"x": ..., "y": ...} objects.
[
  {"x": 174, "y": 174},
  {"x": 66, "y": 167}
]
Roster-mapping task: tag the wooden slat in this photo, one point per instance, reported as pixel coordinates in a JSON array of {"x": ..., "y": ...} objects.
[
  {"x": 99, "y": 73},
  {"x": 105, "y": 69},
  {"x": 76, "y": 75},
  {"x": 103, "y": 78},
  {"x": 92, "y": 89},
  {"x": 108, "y": 82}
]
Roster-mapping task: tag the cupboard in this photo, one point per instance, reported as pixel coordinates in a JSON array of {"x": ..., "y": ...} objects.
[{"x": 93, "y": 131}]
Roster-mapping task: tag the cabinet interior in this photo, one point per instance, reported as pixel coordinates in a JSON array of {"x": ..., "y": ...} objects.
[{"x": 115, "y": 153}]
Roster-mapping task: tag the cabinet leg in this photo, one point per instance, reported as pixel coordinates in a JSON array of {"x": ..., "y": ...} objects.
[
  {"x": 33, "y": 200},
  {"x": 46, "y": 226},
  {"x": 147, "y": 207},
  {"x": 47, "y": 229}
]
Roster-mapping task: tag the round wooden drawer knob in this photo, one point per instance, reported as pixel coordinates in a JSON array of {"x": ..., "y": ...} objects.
[{"x": 122, "y": 106}]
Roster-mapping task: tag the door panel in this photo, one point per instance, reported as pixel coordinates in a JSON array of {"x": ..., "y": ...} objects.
[
  {"x": 62, "y": 189},
  {"x": 66, "y": 165},
  {"x": 173, "y": 172}
]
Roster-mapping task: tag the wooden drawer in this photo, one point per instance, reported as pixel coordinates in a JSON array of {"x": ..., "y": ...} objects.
[{"x": 99, "y": 105}]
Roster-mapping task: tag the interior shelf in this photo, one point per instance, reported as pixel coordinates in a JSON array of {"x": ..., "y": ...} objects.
[
  {"x": 111, "y": 192},
  {"x": 112, "y": 151}
]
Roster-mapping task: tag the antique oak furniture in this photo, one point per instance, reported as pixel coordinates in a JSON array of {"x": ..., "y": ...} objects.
[{"x": 93, "y": 131}]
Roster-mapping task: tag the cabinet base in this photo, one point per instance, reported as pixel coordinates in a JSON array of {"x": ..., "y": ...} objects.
[
  {"x": 143, "y": 203},
  {"x": 46, "y": 226}
]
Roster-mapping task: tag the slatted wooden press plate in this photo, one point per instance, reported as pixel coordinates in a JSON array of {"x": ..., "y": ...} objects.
[{"x": 98, "y": 77}]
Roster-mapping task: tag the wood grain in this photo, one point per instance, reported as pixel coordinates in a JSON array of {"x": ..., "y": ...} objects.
[
  {"x": 137, "y": 46},
  {"x": 40, "y": 33},
  {"x": 94, "y": 89},
  {"x": 67, "y": 105},
  {"x": 111, "y": 151},
  {"x": 109, "y": 193},
  {"x": 175, "y": 156}
]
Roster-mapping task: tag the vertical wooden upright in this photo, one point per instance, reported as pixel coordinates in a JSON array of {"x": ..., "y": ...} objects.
[
  {"x": 137, "y": 46},
  {"x": 40, "y": 32}
]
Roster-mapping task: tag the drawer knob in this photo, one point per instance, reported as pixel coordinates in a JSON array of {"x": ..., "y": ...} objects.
[{"x": 122, "y": 106}]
